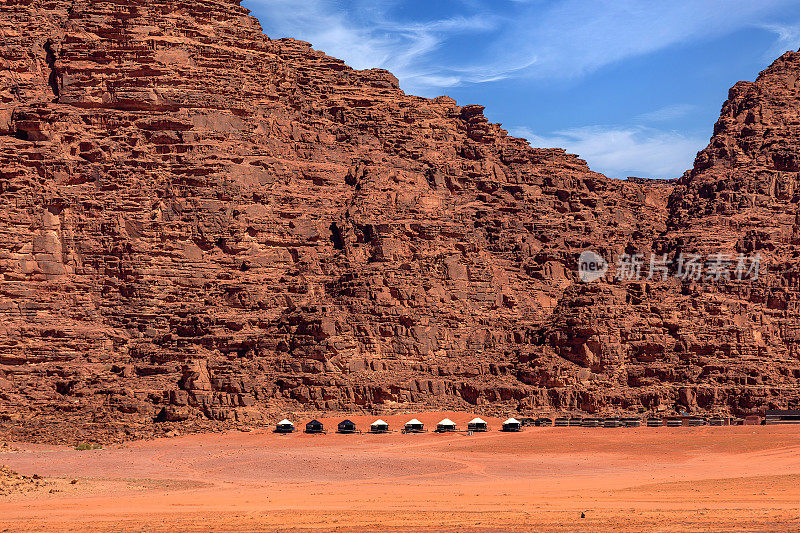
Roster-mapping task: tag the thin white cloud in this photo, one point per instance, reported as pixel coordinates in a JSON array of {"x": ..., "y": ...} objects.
[
  {"x": 620, "y": 152},
  {"x": 788, "y": 39},
  {"x": 669, "y": 112},
  {"x": 364, "y": 36},
  {"x": 560, "y": 39},
  {"x": 572, "y": 38}
]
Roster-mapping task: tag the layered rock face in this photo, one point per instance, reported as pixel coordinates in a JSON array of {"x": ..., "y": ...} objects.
[
  {"x": 746, "y": 179},
  {"x": 203, "y": 226},
  {"x": 741, "y": 198},
  {"x": 719, "y": 342},
  {"x": 735, "y": 341}
]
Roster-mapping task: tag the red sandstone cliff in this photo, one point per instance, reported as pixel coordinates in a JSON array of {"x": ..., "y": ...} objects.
[{"x": 203, "y": 225}]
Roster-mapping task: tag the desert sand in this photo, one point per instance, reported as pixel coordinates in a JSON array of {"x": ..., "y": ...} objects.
[{"x": 744, "y": 478}]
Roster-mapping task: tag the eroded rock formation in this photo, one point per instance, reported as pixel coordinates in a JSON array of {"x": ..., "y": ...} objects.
[{"x": 203, "y": 226}]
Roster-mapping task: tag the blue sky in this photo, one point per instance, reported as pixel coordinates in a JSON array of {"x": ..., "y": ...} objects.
[{"x": 633, "y": 87}]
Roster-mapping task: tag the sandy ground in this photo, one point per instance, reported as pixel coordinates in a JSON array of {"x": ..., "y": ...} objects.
[{"x": 742, "y": 478}]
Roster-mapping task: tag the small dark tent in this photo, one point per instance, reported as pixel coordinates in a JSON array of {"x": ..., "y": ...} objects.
[
  {"x": 379, "y": 426},
  {"x": 346, "y": 426},
  {"x": 284, "y": 426},
  {"x": 445, "y": 426},
  {"x": 315, "y": 426},
  {"x": 413, "y": 426},
  {"x": 477, "y": 424},
  {"x": 512, "y": 424}
]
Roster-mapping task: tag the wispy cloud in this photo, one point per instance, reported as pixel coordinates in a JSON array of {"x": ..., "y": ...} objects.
[
  {"x": 788, "y": 38},
  {"x": 560, "y": 39},
  {"x": 363, "y": 34},
  {"x": 572, "y": 38},
  {"x": 619, "y": 151},
  {"x": 666, "y": 113}
]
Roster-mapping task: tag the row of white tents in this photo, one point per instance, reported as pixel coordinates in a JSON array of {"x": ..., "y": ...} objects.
[{"x": 412, "y": 426}]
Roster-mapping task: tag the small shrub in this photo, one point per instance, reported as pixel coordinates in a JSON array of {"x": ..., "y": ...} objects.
[{"x": 88, "y": 446}]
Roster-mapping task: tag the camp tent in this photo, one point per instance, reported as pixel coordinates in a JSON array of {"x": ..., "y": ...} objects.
[
  {"x": 284, "y": 426},
  {"x": 315, "y": 426},
  {"x": 414, "y": 426},
  {"x": 477, "y": 424},
  {"x": 379, "y": 426},
  {"x": 512, "y": 424},
  {"x": 445, "y": 426},
  {"x": 346, "y": 426}
]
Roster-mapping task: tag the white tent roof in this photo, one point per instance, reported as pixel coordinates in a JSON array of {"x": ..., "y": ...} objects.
[
  {"x": 477, "y": 421},
  {"x": 379, "y": 422},
  {"x": 446, "y": 422},
  {"x": 285, "y": 422},
  {"x": 413, "y": 421},
  {"x": 511, "y": 421}
]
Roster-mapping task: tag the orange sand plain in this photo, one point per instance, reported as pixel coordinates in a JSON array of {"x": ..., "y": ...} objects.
[{"x": 744, "y": 478}]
